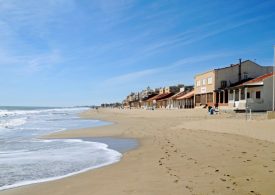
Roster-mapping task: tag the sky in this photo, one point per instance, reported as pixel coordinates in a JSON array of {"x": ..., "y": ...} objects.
[{"x": 87, "y": 52}]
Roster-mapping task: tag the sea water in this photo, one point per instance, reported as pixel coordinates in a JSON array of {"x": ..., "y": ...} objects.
[{"x": 26, "y": 159}]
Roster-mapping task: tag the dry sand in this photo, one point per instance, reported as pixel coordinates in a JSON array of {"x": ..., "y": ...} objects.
[{"x": 181, "y": 152}]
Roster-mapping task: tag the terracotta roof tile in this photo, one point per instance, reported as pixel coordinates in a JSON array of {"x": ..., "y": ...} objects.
[
  {"x": 255, "y": 81},
  {"x": 160, "y": 96},
  {"x": 186, "y": 96},
  {"x": 259, "y": 79}
]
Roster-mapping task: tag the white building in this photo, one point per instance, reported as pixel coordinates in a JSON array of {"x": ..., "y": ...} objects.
[{"x": 255, "y": 94}]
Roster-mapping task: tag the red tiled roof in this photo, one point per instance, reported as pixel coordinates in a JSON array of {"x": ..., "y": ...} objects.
[
  {"x": 151, "y": 96},
  {"x": 160, "y": 96},
  {"x": 178, "y": 94},
  {"x": 260, "y": 78},
  {"x": 186, "y": 96},
  {"x": 175, "y": 96},
  {"x": 257, "y": 80}
]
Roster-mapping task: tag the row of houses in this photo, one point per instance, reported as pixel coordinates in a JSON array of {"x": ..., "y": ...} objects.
[
  {"x": 241, "y": 86},
  {"x": 178, "y": 96}
]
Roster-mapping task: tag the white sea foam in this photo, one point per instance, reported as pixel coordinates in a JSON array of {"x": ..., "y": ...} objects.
[
  {"x": 10, "y": 123},
  {"x": 28, "y": 112},
  {"x": 111, "y": 157},
  {"x": 56, "y": 178},
  {"x": 24, "y": 159}
]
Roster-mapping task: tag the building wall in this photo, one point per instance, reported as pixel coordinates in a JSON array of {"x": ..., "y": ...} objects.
[
  {"x": 204, "y": 88},
  {"x": 262, "y": 104},
  {"x": 231, "y": 74},
  {"x": 172, "y": 89},
  {"x": 268, "y": 93}
]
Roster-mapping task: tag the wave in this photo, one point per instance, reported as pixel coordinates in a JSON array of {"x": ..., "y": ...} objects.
[
  {"x": 113, "y": 157},
  {"x": 10, "y": 123},
  {"x": 5, "y": 113},
  {"x": 55, "y": 178}
]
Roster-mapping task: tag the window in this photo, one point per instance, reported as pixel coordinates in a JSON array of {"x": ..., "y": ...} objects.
[
  {"x": 258, "y": 95},
  {"x": 242, "y": 94},
  {"x": 204, "y": 82},
  {"x": 223, "y": 84},
  {"x": 210, "y": 97},
  {"x": 198, "y": 99},
  {"x": 209, "y": 81},
  {"x": 198, "y": 83},
  {"x": 248, "y": 95},
  {"x": 245, "y": 76}
]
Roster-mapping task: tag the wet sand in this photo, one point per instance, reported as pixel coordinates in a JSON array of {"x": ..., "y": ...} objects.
[{"x": 180, "y": 152}]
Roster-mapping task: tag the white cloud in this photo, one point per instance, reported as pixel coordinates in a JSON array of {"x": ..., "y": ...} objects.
[
  {"x": 136, "y": 76},
  {"x": 33, "y": 16},
  {"x": 111, "y": 6},
  {"x": 129, "y": 77},
  {"x": 21, "y": 20},
  {"x": 43, "y": 61},
  {"x": 30, "y": 63}
]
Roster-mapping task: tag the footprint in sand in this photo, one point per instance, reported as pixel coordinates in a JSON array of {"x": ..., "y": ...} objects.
[
  {"x": 189, "y": 188},
  {"x": 222, "y": 179},
  {"x": 253, "y": 192}
]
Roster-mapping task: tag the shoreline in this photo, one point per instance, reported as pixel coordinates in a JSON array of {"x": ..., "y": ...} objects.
[
  {"x": 174, "y": 156},
  {"x": 111, "y": 143}
]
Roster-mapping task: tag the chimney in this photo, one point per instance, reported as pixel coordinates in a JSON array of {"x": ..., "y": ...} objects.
[{"x": 240, "y": 70}]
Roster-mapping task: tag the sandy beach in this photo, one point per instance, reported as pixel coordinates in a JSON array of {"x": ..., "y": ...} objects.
[{"x": 180, "y": 152}]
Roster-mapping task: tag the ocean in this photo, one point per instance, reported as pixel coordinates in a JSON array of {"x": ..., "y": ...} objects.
[{"x": 26, "y": 159}]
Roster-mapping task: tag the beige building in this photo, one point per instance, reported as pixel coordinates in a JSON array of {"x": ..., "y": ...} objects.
[{"x": 211, "y": 88}]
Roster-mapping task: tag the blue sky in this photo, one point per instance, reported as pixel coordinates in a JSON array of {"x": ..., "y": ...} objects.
[{"x": 83, "y": 52}]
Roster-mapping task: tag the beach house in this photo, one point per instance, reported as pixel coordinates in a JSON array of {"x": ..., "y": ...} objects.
[
  {"x": 131, "y": 101},
  {"x": 147, "y": 94},
  {"x": 138, "y": 99},
  {"x": 255, "y": 94},
  {"x": 161, "y": 100},
  {"x": 173, "y": 102},
  {"x": 211, "y": 87},
  {"x": 170, "y": 91},
  {"x": 186, "y": 101}
]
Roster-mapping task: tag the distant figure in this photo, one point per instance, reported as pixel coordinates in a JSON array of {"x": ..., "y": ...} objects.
[
  {"x": 96, "y": 109},
  {"x": 211, "y": 110}
]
